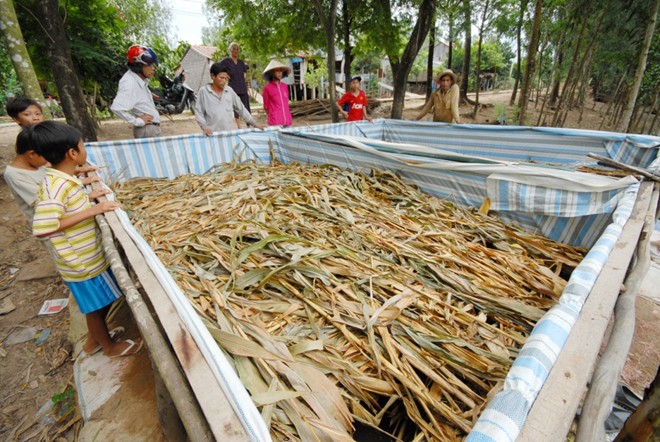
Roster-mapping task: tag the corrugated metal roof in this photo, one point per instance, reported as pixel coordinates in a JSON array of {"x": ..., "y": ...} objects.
[{"x": 206, "y": 51}]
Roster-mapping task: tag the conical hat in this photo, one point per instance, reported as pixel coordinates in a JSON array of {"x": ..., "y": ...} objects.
[
  {"x": 446, "y": 72},
  {"x": 275, "y": 64}
]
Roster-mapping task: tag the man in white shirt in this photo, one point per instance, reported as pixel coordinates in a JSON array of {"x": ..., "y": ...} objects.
[
  {"x": 134, "y": 102},
  {"x": 217, "y": 103}
]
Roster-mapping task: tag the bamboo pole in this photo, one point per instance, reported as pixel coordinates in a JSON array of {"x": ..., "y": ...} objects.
[
  {"x": 610, "y": 162},
  {"x": 599, "y": 400}
]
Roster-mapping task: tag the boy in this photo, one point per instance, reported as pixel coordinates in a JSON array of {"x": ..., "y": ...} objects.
[
  {"x": 65, "y": 216},
  {"x": 26, "y": 172},
  {"x": 356, "y": 100}
]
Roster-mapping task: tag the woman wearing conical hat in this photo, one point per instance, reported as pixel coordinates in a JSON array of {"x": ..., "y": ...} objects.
[
  {"x": 276, "y": 94},
  {"x": 444, "y": 100}
]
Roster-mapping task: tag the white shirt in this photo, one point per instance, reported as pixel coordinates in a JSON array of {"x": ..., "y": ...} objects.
[
  {"x": 24, "y": 185},
  {"x": 216, "y": 112},
  {"x": 134, "y": 98}
]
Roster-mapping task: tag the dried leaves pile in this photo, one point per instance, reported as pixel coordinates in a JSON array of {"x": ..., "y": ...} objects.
[{"x": 342, "y": 297}]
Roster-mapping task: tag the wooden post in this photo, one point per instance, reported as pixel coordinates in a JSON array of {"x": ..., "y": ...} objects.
[
  {"x": 643, "y": 422},
  {"x": 168, "y": 416},
  {"x": 206, "y": 393}
]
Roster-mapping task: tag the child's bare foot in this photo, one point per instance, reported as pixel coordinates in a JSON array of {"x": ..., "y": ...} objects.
[
  {"x": 91, "y": 346},
  {"x": 127, "y": 347}
]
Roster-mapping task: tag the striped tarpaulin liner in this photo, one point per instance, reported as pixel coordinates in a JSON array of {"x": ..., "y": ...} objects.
[
  {"x": 506, "y": 413},
  {"x": 468, "y": 183},
  {"x": 626, "y": 152},
  {"x": 169, "y": 157},
  {"x": 508, "y": 143}
]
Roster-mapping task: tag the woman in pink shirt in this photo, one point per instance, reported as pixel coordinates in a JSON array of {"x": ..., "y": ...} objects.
[{"x": 276, "y": 95}]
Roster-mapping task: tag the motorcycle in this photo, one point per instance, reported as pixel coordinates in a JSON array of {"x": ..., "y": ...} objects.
[{"x": 174, "y": 95}]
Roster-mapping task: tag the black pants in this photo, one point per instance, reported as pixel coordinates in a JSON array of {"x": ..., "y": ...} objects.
[{"x": 245, "y": 99}]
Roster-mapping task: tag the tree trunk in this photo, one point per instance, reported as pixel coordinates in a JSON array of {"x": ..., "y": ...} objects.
[
  {"x": 523, "y": 8},
  {"x": 539, "y": 79},
  {"x": 401, "y": 67},
  {"x": 583, "y": 14},
  {"x": 556, "y": 78},
  {"x": 66, "y": 79},
  {"x": 348, "y": 50},
  {"x": 610, "y": 104},
  {"x": 465, "y": 74},
  {"x": 329, "y": 22},
  {"x": 478, "y": 69},
  {"x": 651, "y": 108},
  {"x": 531, "y": 61},
  {"x": 450, "y": 55},
  {"x": 429, "y": 62},
  {"x": 641, "y": 67},
  {"x": 653, "y": 123},
  {"x": 19, "y": 55}
]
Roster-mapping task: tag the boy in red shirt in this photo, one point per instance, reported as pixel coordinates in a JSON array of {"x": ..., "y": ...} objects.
[{"x": 356, "y": 100}]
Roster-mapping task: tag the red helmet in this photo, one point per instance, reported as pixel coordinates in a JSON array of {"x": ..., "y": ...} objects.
[{"x": 141, "y": 55}]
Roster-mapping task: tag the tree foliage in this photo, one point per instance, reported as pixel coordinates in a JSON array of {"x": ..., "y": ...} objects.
[
  {"x": 266, "y": 29},
  {"x": 594, "y": 42},
  {"x": 98, "y": 34}
]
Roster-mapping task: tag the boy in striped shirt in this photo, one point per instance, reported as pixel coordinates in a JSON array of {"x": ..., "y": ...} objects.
[{"x": 65, "y": 216}]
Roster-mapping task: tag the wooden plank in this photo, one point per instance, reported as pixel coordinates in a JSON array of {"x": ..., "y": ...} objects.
[
  {"x": 552, "y": 413},
  {"x": 219, "y": 413},
  {"x": 175, "y": 399},
  {"x": 602, "y": 387}
]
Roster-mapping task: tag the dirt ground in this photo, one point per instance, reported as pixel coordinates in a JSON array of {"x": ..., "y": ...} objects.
[{"x": 32, "y": 374}]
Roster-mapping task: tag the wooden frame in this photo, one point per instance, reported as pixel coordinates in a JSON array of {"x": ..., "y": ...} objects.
[
  {"x": 554, "y": 410},
  {"x": 215, "y": 406}
]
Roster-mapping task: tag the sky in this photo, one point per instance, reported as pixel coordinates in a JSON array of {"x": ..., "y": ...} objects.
[{"x": 189, "y": 20}]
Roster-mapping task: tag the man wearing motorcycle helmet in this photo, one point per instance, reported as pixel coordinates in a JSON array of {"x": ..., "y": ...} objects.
[{"x": 134, "y": 102}]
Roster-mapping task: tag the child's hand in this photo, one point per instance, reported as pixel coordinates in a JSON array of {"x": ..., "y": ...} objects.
[
  {"x": 97, "y": 193},
  {"x": 91, "y": 179},
  {"x": 107, "y": 206},
  {"x": 85, "y": 168}
]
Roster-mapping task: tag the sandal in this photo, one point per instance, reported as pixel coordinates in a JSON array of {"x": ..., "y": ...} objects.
[
  {"x": 114, "y": 333},
  {"x": 132, "y": 348}
]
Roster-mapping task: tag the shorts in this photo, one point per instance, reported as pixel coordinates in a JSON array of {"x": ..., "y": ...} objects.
[{"x": 94, "y": 294}]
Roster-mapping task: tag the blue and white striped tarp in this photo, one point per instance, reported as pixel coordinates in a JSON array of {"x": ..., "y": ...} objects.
[
  {"x": 564, "y": 205},
  {"x": 535, "y": 144},
  {"x": 463, "y": 162},
  {"x": 505, "y": 415}
]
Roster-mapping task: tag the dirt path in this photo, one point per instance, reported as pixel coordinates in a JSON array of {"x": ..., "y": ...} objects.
[{"x": 31, "y": 374}]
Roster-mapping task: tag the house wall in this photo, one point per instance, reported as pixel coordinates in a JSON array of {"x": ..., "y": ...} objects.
[{"x": 196, "y": 66}]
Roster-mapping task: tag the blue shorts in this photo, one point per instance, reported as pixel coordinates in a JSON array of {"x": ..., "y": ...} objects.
[{"x": 95, "y": 293}]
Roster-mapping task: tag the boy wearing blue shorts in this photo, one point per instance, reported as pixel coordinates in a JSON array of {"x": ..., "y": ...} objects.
[{"x": 65, "y": 216}]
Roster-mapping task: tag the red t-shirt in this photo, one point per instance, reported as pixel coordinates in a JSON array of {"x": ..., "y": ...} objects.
[{"x": 356, "y": 105}]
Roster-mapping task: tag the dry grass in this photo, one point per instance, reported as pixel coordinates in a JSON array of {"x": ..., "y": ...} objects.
[{"x": 341, "y": 296}]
